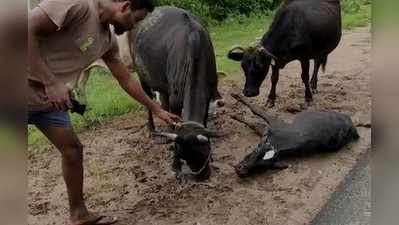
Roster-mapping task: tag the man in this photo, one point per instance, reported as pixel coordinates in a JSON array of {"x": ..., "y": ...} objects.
[{"x": 66, "y": 36}]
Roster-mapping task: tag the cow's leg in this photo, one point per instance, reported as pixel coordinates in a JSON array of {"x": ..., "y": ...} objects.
[
  {"x": 177, "y": 164},
  {"x": 272, "y": 95},
  {"x": 164, "y": 98},
  {"x": 164, "y": 101},
  {"x": 313, "y": 82},
  {"x": 206, "y": 116},
  {"x": 305, "y": 79},
  {"x": 150, "y": 93},
  {"x": 175, "y": 107}
]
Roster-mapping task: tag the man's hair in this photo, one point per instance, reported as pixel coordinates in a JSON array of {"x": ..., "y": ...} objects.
[
  {"x": 143, "y": 4},
  {"x": 140, "y": 4}
]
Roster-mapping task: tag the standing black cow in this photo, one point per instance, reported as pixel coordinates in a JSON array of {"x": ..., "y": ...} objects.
[
  {"x": 310, "y": 132},
  {"x": 302, "y": 30},
  {"x": 174, "y": 56}
]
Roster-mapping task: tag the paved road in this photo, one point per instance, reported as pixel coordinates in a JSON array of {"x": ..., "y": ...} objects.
[{"x": 351, "y": 203}]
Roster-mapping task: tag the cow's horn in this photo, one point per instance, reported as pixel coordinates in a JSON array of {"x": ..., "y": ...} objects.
[
  {"x": 170, "y": 136},
  {"x": 214, "y": 133},
  {"x": 235, "y": 48},
  {"x": 202, "y": 138},
  {"x": 265, "y": 51}
]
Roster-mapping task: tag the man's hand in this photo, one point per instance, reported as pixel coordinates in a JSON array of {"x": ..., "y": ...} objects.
[
  {"x": 59, "y": 96},
  {"x": 134, "y": 89},
  {"x": 166, "y": 116}
]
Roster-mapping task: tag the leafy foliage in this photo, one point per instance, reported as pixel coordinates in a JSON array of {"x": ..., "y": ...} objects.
[
  {"x": 212, "y": 11},
  {"x": 353, "y": 6}
]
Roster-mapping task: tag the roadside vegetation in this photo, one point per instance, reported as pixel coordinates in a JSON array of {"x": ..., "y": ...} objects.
[{"x": 230, "y": 22}]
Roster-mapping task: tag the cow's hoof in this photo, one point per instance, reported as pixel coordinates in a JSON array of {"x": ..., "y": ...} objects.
[
  {"x": 304, "y": 106},
  {"x": 182, "y": 178},
  {"x": 270, "y": 104},
  {"x": 307, "y": 104},
  {"x": 150, "y": 129},
  {"x": 150, "y": 134}
]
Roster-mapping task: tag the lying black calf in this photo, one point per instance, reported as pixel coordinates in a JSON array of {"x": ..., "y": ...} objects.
[{"x": 310, "y": 132}]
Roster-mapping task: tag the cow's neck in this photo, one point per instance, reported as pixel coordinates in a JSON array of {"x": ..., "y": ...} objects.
[
  {"x": 269, "y": 42},
  {"x": 196, "y": 101}
]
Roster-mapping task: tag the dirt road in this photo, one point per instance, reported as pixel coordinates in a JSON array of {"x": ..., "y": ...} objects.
[{"x": 129, "y": 175}]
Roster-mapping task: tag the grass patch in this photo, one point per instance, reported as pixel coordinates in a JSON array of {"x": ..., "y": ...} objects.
[
  {"x": 362, "y": 17},
  {"x": 236, "y": 31},
  {"x": 107, "y": 100}
]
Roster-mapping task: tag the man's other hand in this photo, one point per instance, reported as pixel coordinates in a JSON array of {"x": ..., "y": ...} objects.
[{"x": 59, "y": 96}]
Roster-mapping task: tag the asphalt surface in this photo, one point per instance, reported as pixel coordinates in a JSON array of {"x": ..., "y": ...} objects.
[{"x": 351, "y": 203}]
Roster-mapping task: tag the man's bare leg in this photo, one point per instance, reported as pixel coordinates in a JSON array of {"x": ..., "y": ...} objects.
[{"x": 66, "y": 141}]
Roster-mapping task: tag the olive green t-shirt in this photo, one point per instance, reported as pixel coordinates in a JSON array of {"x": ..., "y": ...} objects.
[{"x": 80, "y": 40}]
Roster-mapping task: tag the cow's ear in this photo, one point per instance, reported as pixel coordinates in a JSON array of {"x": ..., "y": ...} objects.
[{"x": 236, "y": 53}]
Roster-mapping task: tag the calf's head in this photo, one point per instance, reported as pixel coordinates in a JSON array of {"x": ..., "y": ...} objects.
[
  {"x": 255, "y": 61},
  {"x": 192, "y": 145},
  {"x": 263, "y": 157}
]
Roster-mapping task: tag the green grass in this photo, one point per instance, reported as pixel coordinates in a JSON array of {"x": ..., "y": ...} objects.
[
  {"x": 356, "y": 19},
  {"x": 244, "y": 31},
  {"x": 107, "y": 100},
  {"x": 236, "y": 31}
]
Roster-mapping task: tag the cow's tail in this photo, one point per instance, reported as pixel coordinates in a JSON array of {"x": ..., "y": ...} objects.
[
  {"x": 200, "y": 51},
  {"x": 194, "y": 41},
  {"x": 324, "y": 63},
  {"x": 200, "y": 65}
]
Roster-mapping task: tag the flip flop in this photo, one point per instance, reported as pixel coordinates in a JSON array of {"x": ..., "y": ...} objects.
[{"x": 96, "y": 219}]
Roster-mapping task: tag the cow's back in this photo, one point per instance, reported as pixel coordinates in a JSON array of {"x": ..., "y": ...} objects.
[
  {"x": 314, "y": 26},
  {"x": 166, "y": 42},
  {"x": 324, "y": 22},
  {"x": 150, "y": 44}
]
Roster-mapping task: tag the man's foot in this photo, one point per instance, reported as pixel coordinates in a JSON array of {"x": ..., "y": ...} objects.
[{"x": 94, "y": 219}]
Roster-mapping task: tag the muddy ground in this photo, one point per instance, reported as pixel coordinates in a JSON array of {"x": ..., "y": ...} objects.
[{"x": 130, "y": 176}]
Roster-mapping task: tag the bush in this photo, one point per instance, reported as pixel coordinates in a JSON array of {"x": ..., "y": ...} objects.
[
  {"x": 353, "y": 6},
  {"x": 218, "y": 10}
]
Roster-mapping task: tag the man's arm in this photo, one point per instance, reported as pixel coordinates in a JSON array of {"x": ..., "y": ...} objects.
[
  {"x": 134, "y": 89},
  {"x": 57, "y": 92}
]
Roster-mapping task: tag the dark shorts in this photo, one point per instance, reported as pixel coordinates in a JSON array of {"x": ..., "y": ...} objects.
[{"x": 53, "y": 118}]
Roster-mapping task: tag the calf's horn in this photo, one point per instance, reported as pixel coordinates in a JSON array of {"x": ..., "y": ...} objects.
[{"x": 170, "y": 136}]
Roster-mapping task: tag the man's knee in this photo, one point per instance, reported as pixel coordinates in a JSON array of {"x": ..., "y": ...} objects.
[{"x": 73, "y": 152}]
